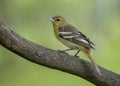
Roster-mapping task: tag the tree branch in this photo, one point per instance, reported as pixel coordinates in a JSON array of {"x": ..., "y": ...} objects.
[{"x": 55, "y": 59}]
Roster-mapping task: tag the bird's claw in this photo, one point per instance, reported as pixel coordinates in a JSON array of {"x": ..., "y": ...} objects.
[
  {"x": 76, "y": 56},
  {"x": 61, "y": 50}
]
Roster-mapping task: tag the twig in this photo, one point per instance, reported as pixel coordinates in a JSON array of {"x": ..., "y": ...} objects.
[{"x": 55, "y": 59}]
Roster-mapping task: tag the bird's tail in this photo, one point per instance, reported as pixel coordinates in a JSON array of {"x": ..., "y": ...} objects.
[
  {"x": 95, "y": 65},
  {"x": 93, "y": 62}
]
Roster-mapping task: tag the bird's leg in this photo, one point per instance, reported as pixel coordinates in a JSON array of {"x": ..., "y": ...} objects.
[{"x": 77, "y": 53}]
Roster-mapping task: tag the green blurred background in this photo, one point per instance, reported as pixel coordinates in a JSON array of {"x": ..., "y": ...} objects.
[{"x": 98, "y": 19}]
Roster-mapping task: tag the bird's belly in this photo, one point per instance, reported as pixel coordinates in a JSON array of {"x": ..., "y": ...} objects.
[{"x": 69, "y": 44}]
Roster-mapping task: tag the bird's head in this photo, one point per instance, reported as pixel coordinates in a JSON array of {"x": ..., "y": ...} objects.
[{"x": 58, "y": 21}]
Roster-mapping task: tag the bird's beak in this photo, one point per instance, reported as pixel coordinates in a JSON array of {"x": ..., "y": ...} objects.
[{"x": 51, "y": 19}]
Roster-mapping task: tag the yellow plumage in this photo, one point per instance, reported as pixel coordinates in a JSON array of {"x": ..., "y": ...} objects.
[{"x": 72, "y": 38}]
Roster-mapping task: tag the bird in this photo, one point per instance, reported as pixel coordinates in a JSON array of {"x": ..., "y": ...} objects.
[{"x": 72, "y": 38}]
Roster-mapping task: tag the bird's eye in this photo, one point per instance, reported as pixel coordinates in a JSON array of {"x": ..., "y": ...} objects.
[{"x": 57, "y": 19}]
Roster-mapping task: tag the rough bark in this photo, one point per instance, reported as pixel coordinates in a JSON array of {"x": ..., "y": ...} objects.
[{"x": 55, "y": 59}]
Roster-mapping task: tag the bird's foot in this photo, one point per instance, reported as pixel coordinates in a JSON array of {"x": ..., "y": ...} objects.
[
  {"x": 61, "y": 50},
  {"x": 76, "y": 56}
]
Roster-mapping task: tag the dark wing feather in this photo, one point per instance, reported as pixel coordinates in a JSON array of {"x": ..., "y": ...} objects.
[{"x": 71, "y": 34}]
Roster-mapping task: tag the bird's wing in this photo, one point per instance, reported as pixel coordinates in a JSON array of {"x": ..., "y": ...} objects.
[{"x": 71, "y": 34}]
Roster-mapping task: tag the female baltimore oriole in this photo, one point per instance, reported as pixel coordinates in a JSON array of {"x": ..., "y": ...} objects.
[{"x": 72, "y": 38}]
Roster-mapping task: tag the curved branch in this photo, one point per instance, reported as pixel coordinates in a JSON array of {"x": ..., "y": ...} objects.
[{"x": 55, "y": 59}]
